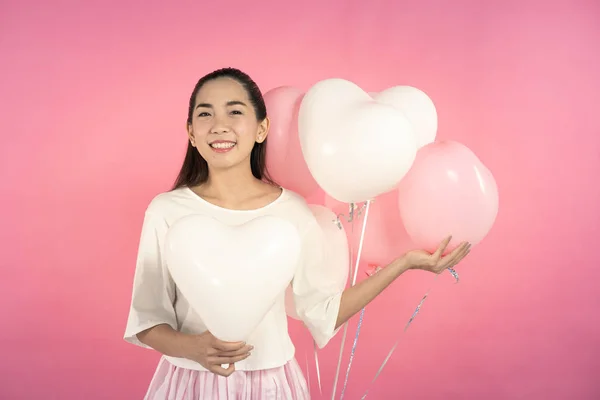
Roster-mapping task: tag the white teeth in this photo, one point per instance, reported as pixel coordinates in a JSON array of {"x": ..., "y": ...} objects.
[{"x": 222, "y": 145}]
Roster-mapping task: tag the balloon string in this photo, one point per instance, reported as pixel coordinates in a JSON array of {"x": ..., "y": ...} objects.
[
  {"x": 360, "y": 247},
  {"x": 360, "y": 322},
  {"x": 317, "y": 367},
  {"x": 362, "y": 313},
  {"x": 339, "y": 364},
  {"x": 360, "y": 243},
  {"x": 338, "y": 222},
  {"x": 307, "y": 373},
  {"x": 412, "y": 317}
]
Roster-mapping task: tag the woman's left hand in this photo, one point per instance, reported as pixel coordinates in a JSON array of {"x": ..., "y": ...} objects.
[{"x": 436, "y": 262}]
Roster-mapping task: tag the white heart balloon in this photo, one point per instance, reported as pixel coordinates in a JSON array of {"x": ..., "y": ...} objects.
[
  {"x": 336, "y": 263},
  {"x": 417, "y": 107},
  {"x": 355, "y": 147},
  {"x": 232, "y": 275}
]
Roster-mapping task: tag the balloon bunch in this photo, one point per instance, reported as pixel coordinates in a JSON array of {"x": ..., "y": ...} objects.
[
  {"x": 376, "y": 155},
  {"x": 356, "y": 147}
]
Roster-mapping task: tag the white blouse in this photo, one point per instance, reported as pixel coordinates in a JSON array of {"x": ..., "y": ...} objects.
[{"x": 157, "y": 300}]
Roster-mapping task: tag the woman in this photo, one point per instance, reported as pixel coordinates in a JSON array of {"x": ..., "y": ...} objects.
[{"x": 223, "y": 175}]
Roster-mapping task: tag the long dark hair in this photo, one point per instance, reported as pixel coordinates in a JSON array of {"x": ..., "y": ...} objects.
[{"x": 194, "y": 170}]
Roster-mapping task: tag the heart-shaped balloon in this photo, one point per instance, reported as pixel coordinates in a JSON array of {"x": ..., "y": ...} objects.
[
  {"x": 285, "y": 162},
  {"x": 232, "y": 275},
  {"x": 355, "y": 147},
  {"x": 448, "y": 191},
  {"x": 335, "y": 267},
  {"x": 417, "y": 107}
]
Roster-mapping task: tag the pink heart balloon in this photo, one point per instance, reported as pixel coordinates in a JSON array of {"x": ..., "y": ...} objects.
[
  {"x": 285, "y": 161},
  {"x": 447, "y": 191}
]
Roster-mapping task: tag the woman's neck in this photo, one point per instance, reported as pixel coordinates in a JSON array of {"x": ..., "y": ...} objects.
[
  {"x": 234, "y": 188},
  {"x": 229, "y": 186}
]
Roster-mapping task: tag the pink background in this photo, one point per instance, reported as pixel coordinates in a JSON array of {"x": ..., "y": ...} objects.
[{"x": 91, "y": 127}]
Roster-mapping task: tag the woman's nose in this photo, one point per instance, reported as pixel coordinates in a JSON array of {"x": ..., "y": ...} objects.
[{"x": 220, "y": 126}]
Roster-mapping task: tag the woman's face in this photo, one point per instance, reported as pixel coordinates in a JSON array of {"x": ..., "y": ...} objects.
[{"x": 224, "y": 126}]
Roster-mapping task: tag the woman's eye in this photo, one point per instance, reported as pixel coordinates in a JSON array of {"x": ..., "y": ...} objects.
[
  {"x": 204, "y": 114},
  {"x": 236, "y": 112}
]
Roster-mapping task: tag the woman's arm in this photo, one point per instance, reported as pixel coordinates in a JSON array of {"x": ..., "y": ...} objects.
[
  {"x": 166, "y": 340},
  {"x": 204, "y": 348},
  {"x": 357, "y": 297}
]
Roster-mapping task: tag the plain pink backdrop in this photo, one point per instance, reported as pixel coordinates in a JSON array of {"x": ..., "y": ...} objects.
[{"x": 92, "y": 126}]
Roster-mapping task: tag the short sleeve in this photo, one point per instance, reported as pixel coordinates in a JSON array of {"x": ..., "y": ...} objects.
[
  {"x": 317, "y": 299},
  {"x": 153, "y": 295}
]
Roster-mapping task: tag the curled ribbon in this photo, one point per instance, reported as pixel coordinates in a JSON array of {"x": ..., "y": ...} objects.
[
  {"x": 412, "y": 317},
  {"x": 360, "y": 321},
  {"x": 353, "y": 212},
  {"x": 372, "y": 269}
]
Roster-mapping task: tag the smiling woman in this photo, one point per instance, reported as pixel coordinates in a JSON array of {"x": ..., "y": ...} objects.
[
  {"x": 221, "y": 124},
  {"x": 228, "y": 113},
  {"x": 223, "y": 177}
]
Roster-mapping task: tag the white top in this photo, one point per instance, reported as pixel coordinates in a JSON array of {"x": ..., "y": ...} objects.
[{"x": 156, "y": 299}]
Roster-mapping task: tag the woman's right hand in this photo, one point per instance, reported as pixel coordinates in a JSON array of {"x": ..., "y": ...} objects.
[{"x": 213, "y": 353}]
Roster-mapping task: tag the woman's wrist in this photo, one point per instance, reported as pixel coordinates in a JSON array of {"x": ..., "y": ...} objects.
[
  {"x": 181, "y": 344},
  {"x": 400, "y": 265},
  {"x": 166, "y": 340},
  {"x": 189, "y": 345}
]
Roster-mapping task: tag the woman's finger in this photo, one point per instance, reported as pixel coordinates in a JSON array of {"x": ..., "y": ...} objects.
[
  {"x": 227, "y": 346},
  {"x": 463, "y": 255},
  {"x": 455, "y": 256},
  {"x": 244, "y": 350},
  {"x": 438, "y": 253},
  {"x": 227, "y": 360},
  {"x": 219, "y": 370}
]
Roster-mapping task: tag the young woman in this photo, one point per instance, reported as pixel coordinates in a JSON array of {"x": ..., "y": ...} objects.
[{"x": 223, "y": 175}]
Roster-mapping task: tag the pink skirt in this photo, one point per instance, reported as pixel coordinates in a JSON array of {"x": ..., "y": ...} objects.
[{"x": 175, "y": 383}]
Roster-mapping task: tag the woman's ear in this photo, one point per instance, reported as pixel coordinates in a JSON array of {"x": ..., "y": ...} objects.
[
  {"x": 190, "y": 132},
  {"x": 263, "y": 130}
]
